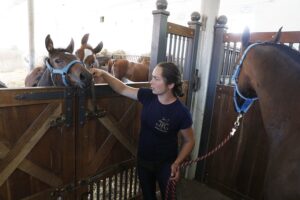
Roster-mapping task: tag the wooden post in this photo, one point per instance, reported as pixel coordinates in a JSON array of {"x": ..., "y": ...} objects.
[
  {"x": 191, "y": 55},
  {"x": 213, "y": 79},
  {"x": 159, "y": 35}
]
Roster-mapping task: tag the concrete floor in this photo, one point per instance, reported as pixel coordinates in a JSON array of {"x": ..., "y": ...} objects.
[{"x": 194, "y": 190}]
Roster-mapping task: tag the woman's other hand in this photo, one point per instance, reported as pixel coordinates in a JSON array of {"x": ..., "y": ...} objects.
[{"x": 175, "y": 172}]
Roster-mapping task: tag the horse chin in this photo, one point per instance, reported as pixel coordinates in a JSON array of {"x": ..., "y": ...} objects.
[{"x": 82, "y": 85}]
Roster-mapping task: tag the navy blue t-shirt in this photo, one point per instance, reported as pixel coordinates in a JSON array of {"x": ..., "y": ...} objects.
[{"x": 159, "y": 127}]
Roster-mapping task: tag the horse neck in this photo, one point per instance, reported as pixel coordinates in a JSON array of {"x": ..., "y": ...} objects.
[{"x": 276, "y": 85}]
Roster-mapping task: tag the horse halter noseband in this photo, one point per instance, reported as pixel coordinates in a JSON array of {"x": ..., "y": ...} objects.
[
  {"x": 62, "y": 71},
  {"x": 247, "y": 101}
]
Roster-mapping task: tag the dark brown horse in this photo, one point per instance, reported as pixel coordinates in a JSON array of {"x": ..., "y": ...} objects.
[
  {"x": 123, "y": 69},
  {"x": 271, "y": 72},
  {"x": 62, "y": 68}
]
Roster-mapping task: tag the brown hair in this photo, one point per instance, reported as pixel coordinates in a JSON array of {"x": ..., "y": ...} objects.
[{"x": 171, "y": 74}]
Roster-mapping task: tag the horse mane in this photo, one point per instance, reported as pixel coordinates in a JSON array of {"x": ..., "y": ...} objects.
[{"x": 293, "y": 53}]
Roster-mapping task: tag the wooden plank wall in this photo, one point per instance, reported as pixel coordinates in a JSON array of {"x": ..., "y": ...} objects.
[{"x": 238, "y": 169}]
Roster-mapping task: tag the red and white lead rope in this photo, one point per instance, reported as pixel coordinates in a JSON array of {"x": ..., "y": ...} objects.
[{"x": 171, "y": 186}]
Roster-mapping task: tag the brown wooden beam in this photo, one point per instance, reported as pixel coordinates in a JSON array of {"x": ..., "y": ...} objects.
[
  {"x": 28, "y": 140},
  {"x": 102, "y": 153},
  {"x": 128, "y": 115},
  {"x": 108, "y": 123},
  {"x": 33, "y": 169}
]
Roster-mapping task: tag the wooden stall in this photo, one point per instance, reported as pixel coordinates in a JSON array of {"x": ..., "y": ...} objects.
[{"x": 54, "y": 139}]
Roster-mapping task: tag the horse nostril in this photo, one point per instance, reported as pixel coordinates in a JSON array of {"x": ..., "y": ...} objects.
[
  {"x": 82, "y": 77},
  {"x": 85, "y": 76}
]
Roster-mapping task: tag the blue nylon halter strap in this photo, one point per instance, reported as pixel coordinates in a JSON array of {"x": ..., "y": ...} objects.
[
  {"x": 247, "y": 101},
  {"x": 62, "y": 71}
]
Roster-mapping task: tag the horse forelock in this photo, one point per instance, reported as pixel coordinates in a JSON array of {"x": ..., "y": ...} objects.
[{"x": 87, "y": 52}]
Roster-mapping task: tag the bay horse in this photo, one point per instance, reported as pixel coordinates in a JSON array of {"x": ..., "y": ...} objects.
[
  {"x": 87, "y": 54},
  {"x": 271, "y": 72},
  {"x": 123, "y": 69},
  {"x": 61, "y": 68}
]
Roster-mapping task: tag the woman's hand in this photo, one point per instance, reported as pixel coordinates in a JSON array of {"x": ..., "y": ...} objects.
[
  {"x": 96, "y": 72},
  {"x": 175, "y": 172}
]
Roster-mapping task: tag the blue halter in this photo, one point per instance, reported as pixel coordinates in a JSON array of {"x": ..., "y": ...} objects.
[
  {"x": 247, "y": 101},
  {"x": 62, "y": 71}
]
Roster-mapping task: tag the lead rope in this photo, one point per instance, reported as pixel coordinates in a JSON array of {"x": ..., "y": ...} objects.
[{"x": 171, "y": 185}]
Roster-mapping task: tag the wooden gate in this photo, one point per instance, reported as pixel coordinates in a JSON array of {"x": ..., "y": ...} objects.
[
  {"x": 61, "y": 142},
  {"x": 238, "y": 169},
  {"x": 53, "y": 139}
]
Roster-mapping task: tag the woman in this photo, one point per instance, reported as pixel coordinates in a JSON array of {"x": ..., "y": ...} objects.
[{"x": 162, "y": 117}]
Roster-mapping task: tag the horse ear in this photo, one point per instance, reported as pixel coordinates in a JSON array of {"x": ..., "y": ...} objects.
[
  {"x": 85, "y": 39},
  {"x": 98, "y": 48},
  {"x": 49, "y": 43},
  {"x": 277, "y": 36},
  {"x": 245, "y": 37},
  {"x": 70, "y": 48}
]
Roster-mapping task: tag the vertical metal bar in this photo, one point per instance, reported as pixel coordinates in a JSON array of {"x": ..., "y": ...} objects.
[
  {"x": 183, "y": 47},
  {"x": 232, "y": 63},
  {"x": 98, "y": 190},
  {"x": 130, "y": 182},
  {"x": 104, "y": 188},
  {"x": 174, "y": 49},
  {"x": 225, "y": 65},
  {"x": 135, "y": 190},
  {"x": 109, "y": 187},
  {"x": 91, "y": 191},
  {"x": 126, "y": 183},
  {"x": 121, "y": 185},
  {"x": 116, "y": 186},
  {"x": 30, "y": 5},
  {"x": 178, "y": 52},
  {"x": 169, "y": 58}
]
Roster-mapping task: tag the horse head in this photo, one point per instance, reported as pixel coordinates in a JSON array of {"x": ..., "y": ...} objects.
[
  {"x": 87, "y": 54},
  {"x": 244, "y": 85},
  {"x": 63, "y": 68}
]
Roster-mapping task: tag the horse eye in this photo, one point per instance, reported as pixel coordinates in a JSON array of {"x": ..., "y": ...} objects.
[{"x": 58, "y": 61}]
